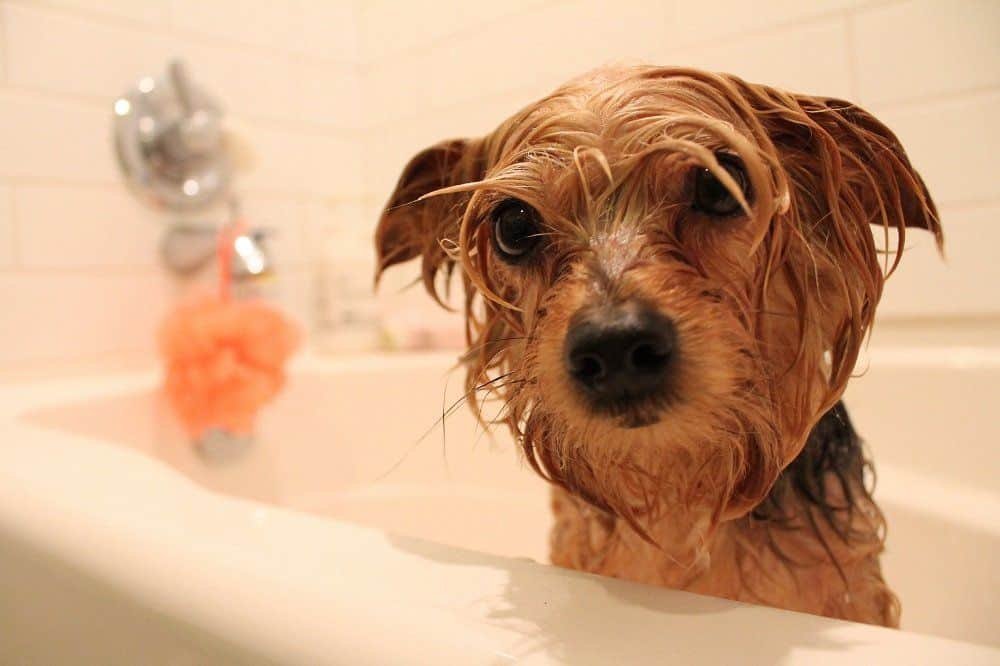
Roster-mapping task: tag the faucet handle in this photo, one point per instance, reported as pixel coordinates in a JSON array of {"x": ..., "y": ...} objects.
[
  {"x": 199, "y": 129},
  {"x": 169, "y": 141}
]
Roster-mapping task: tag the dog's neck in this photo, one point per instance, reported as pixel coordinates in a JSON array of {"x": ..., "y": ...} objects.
[
  {"x": 812, "y": 545},
  {"x": 684, "y": 548}
]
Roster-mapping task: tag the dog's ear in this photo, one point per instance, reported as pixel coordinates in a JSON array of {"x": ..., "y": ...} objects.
[
  {"x": 412, "y": 227},
  {"x": 846, "y": 174},
  {"x": 838, "y": 154},
  {"x": 878, "y": 152}
]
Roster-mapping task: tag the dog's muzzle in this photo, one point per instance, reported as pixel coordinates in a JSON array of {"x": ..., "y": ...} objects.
[{"x": 620, "y": 356}]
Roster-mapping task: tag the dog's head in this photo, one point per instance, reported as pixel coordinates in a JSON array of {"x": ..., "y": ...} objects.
[{"x": 668, "y": 273}]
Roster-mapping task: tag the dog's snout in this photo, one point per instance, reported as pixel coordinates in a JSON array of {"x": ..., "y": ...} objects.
[{"x": 620, "y": 355}]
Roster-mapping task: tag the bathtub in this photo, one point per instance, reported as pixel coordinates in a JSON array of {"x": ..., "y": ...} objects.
[{"x": 341, "y": 535}]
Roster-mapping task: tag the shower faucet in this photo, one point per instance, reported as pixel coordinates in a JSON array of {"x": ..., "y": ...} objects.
[{"x": 169, "y": 142}]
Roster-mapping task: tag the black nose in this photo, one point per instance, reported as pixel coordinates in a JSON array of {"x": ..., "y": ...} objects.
[{"x": 620, "y": 355}]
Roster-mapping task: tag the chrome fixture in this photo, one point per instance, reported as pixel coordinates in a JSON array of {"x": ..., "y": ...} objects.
[
  {"x": 186, "y": 248},
  {"x": 218, "y": 445},
  {"x": 169, "y": 141},
  {"x": 251, "y": 258}
]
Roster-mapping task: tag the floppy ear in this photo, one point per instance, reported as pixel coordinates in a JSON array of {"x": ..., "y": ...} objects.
[
  {"x": 843, "y": 173},
  {"x": 900, "y": 187},
  {"x": 846, "y": 167},
  {"x": 410, "y": 227}
]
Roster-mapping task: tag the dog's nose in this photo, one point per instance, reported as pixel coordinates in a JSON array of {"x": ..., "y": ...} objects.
[{"x": 619, "y": 355}]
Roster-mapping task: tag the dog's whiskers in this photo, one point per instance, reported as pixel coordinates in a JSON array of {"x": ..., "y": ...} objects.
[{"x": 486, "y": 386}]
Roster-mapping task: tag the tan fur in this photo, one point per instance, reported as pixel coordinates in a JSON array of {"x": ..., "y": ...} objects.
[{"x": 771, "y": 309}]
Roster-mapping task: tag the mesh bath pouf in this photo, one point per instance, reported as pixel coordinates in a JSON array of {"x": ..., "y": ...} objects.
[{"x": 224, "y": 358}]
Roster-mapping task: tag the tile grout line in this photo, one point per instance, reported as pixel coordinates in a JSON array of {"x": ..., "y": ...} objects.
[
  {"x": 778, "y": 25},
  {"x": 415, "y": 50},
  {"x": 109, "y": 185},
  {"x": 100, "y": 103},
  {"x": 896, "y": 105},
  {"x": 760, "y": 31},
  {"x": 17, "y": 260},
  {"x": 931, "y": 100}
]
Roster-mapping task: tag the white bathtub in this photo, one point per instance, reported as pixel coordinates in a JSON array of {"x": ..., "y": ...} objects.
[{"x": 109, "y": 553}]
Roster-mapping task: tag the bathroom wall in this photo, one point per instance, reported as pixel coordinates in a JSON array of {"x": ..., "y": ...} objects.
[
  {"x": 929, "y": 68},
  {"x": 80, "y": 281},
  {"x": 335, "y": 96}
]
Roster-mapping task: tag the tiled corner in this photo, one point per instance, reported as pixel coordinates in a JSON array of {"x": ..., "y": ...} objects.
[{"x": 923, "y": 48}]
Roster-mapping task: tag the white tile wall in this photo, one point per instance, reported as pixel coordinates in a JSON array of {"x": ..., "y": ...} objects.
[
  {"x": 54, "y": 52},
  {"x": 963, "y": 282},
  {"x": 146, "y": 11},
  {"x": 302, "y": 160},
  {"x": 954, "y": 143},
  {"x": 50, "y": 138},
  {"x": 79, "y": 227},
  {"x": 8, "y": 239},
  {"x": 79, "y": 272},
  {"x": 705, "y": 22},
  {"x": 391, "y": 27},
  {"x": 269, "y": 23},
  {"x": 810, "y": 57},
  {"x": 534, "y": 48},
  {"x": 926, "y": 48},
  {"x": 333, "y": 97},
  {"x": 65, "y": 53},
  {"x": 65, "y": 315},
  {"x": 330, "y": 30}
]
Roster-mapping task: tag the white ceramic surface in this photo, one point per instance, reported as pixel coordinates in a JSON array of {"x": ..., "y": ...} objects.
[{"x": 341, "y": 537}]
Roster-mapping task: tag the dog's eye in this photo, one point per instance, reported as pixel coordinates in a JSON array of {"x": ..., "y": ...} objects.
[
  {"x": 515, "y": 229},
  {"x": 711, "y": 196}
]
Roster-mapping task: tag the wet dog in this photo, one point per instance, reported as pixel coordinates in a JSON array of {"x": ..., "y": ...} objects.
[{"x": 668, "y": 277}]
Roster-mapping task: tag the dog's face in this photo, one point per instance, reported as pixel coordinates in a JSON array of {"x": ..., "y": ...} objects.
[{"x": 668, "y": 277}]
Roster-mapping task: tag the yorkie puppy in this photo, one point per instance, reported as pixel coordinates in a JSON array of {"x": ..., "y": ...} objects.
[{"x": 668, "y": 277}]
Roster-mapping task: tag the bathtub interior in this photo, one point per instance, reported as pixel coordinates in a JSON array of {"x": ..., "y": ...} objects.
[{"x": 360, "y": 441}]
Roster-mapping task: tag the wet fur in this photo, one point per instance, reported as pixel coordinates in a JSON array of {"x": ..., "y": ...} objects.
[{"x": 748, "y": 481}]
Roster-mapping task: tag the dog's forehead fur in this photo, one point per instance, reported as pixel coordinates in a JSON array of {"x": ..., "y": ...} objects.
[{"x": 573, "y": 151}]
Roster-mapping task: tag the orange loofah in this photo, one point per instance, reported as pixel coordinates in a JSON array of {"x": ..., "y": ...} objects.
[{"x": 225, "y": 359}]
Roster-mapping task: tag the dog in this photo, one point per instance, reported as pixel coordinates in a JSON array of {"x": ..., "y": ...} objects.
[{"x": 668, "y": 275}]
